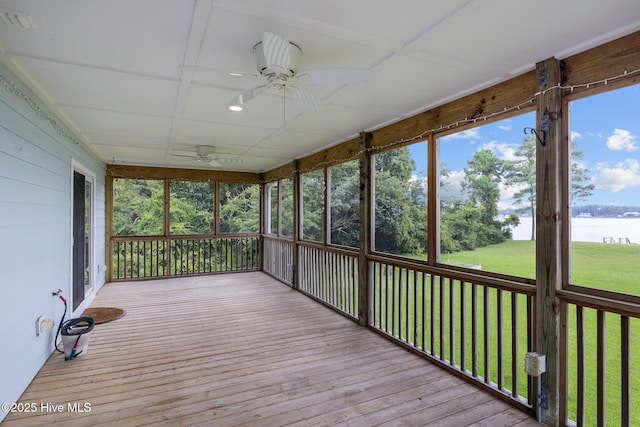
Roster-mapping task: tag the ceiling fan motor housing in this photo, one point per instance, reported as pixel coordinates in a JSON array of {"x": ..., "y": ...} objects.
[
  {"x": 205, "y": 151},
  {"x": 261, "y": 63}
]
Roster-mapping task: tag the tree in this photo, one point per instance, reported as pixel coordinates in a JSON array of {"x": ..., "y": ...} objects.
[
  {"x": 191, "y": 207},
  {"x": 522, "y": 173},
  {"x": 286, "y": 207},
  {"x": 482, "y": 178},
  {"x": 345, "y": 204},
  {"x": 313, "y": 205},
  {"x": 580, "y": 188},
  {"x": 138, "y": 207},
  {"x": 239, "y": 208},
  {"x": 400, "y": 213}
]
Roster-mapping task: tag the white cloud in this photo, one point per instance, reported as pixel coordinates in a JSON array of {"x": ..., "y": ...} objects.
[
  {"x": 505, "y": 126},
  {"x": 575, "y": 136},
  {"x": 501, "y": 150},
  {"x": 465, "y": 134},
  {"x": 621, "y": 140},
  {"x": 617, "y": 177},
  {"x": 452, "y": 186}
]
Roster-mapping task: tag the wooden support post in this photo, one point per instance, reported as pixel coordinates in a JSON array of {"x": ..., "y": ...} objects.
[
  {"x": 263, "y": 224},
  {"x": 108, "y": 214},
  {"x": 549, "y": 235},
  {"x": 366, "y": 225},
  {"x": 297, "y": 208}
]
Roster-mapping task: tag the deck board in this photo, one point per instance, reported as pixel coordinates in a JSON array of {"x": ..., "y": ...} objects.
[{"x": 244, "y": 349}]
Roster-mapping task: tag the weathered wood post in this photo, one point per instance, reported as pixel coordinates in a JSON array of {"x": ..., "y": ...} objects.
[
  {"x": 297, "y": 208},
  {"x": 549, "y": 235},
  {"x": 365, "y": 228}
]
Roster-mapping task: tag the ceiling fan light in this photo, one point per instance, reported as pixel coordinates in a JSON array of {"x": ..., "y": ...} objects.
[{"x": 235, "y": 105}]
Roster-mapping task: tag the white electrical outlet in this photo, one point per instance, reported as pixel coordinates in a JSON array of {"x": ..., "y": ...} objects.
[
  {"x": 43, "y": 325},
  {"x": 535, "y": 364}
]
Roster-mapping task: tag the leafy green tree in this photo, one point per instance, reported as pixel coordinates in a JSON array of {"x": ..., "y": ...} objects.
[
  {"x": 522, "y": 173},
  {"x": 313, "y": 205},
  {"x": 138, "y": 207},
  {"x": 239, "y": 208},
  {"x": 191, "y": 207},
  {"x": 580, "y": 187},
  {"x": 400, "y": 206},
  {"x": 462, "y": 227},
  {"x": 345, "y": 204},
  {"x": 286, "y": 207},
  {"x": 482, "y": 178}
]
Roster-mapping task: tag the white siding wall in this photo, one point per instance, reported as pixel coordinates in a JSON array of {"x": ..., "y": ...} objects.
[{"x": 35, "y": 229}]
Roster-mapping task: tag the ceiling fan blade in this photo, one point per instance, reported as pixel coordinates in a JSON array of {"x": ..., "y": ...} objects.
[
  {"x": 218, "y": 71},
  {"x": 308, "y": 99},
  {"x": 339, "y": 75},
  {"x": 248, "y": 95},
  {"x": 276, "y": 51}
]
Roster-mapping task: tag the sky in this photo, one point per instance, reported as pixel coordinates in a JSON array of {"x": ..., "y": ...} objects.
[{"x": 605, "y": 127}]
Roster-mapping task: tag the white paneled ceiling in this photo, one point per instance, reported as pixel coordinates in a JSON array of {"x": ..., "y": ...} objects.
[{"x": 114, "y": 70}]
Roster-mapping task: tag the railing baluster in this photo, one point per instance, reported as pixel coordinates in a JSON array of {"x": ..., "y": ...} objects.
[
  {"x": 394, "y": 282},
  {"x": 452, "y": 328},
  {"x": 424, "y": 311},
  {"x": 601, "y": 368},
  {"x": 499, "y": 339},
  {"x": 580, "y": 365},
  {"x": 463, "y": 326},
  {"x": 415, "y": 309},
  {"x": 400, "y": 304},
  {"x": 405, "y": 284},
  {"x": 131, "y": 258},
  {"x": 514, "y": 344},
  {"x": 378, "y": 298},
  {"x": 441, "y": 319},
  {"x": 625, "y": 372},
  {"x": 474, "y": 330},
  {"x": 486, "y": 334}
]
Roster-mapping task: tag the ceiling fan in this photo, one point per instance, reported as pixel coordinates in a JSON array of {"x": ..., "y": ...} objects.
[
  {"x": 204, "y": 154},
  {"x": 277, "y": 61}
]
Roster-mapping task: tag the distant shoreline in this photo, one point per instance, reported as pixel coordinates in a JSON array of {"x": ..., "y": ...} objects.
[{"x": 591, "y": 229}]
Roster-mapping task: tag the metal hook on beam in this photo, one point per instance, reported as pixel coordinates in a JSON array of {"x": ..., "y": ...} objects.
[
  {"x": 544, "y": 128},
  {"x": 532, "y": 131}
]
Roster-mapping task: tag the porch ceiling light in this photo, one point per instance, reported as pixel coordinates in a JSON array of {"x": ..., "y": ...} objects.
[{"x": 235, "y": 105}]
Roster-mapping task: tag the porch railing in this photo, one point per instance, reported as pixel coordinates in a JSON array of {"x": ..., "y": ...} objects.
[
  {"x": 329, "y": 275},
  {"x": 278, "y": 258},
  {"x": 152, "y": 257},
  {"x": 479, "y": 327},
  {"x": 600, "y": 369}
]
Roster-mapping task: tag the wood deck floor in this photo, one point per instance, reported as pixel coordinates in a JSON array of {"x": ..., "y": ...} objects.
[{"x": 246, "y": 350}]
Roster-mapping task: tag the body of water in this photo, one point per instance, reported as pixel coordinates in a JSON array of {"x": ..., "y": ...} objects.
[{"x": 590, "y": 229}]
